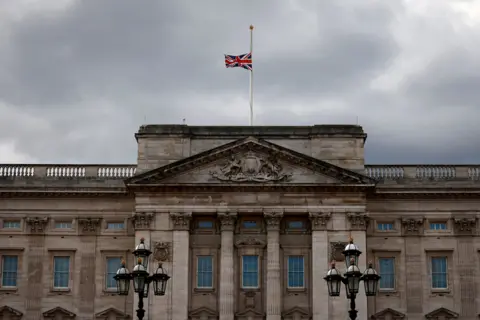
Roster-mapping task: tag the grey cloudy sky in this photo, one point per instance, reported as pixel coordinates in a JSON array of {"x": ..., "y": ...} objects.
[{"x": 77, "y": 78}]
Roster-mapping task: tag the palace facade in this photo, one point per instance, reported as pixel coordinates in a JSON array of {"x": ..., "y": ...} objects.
[{"x": 245, "y": 220}]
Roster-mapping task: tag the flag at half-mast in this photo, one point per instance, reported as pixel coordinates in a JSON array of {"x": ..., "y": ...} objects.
[{"x": 243, "y": 61}]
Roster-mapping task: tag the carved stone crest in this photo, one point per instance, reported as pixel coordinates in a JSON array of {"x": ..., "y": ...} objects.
[
  {"x": 336, "y": 249},
  {"x": 272, "y": 219},
  {"x": 250, "y": 299},
  {"x": 251, "y": 168},
  {"x": 142, "y": 220},
  {"x": 181, "y": 220},
  {"x": 227, "y": 220},
  {"x": 319, "y": 220},
  {"x": 37, "y": 225},
  {"x": 465, "y": 225},
  {"x": 89, "y": 224},
  {"x": 161, "y": 251},
  {"x": 412, "y": 225},
  {"x": 358, "y": 221}
]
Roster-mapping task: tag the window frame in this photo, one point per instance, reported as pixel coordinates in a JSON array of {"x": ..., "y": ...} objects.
[
  {"x": 18, "y": 252},
  {"x": 385, "y": 223},
  {"x": 242, "y": 272},
  {"x": 257, "y": 229},
  {"x": 445, "y": 274},
  {"x": 105, "y": 272},
  {"x": 198, "y": 220},
  {"x": 394, "y": 274},
  {"x": 70, "y": 253},
  {"x": 250, "y": 246},
  {"x": 288, "y": 272},
  {"x": 399, "y": 279},
  {"x": 450, "y": 263},
  {"x": 101, "y": 264},
  {"x": 11, "y": 230},
  {"x": 285, "y": 229},
  {"x": 212, "y": 260}
]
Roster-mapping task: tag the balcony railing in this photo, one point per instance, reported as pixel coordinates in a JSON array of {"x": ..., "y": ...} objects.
[{"x": 423, "y": 172}]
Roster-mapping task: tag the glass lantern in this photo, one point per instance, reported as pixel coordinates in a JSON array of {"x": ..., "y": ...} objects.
[
  {"x": 147, "y": 287},
  {"x": 140, "y": 276},
  {"x": 334, "y": 281},
  {"x": 160, "y": 279},
  {"x": 351, "y": 252},
  {"x": 352, "y": 277},
  {"x": 370, "y": 279},
  {"x": 141, "y": 252},
  {"x": 123, "y": 280}
]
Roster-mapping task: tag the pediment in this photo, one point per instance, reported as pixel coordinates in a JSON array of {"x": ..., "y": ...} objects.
[
  {"x": 202, "y": 313},
  {"x": 442, "y": 314},
  {"x": 11, "y": 312},
  {"x": 250, "y": 161},
  {"x": 52, "y": 313},
  {"x": 388, "y": 314},
  {"x": 252, "y": 313},
  {"x": 295, "y": 313},
  {"x": 105, "y": 314}
]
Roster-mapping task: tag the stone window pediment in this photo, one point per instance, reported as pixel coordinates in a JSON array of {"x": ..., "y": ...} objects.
[
  {"x": 388, "y": 314},
  {"x": 249, "y": 314},
  {"x": 58, "y": 313},
  {"x": 203, "y": 313},
  {"x": 7, "y": 312},
  {"x": 111, "y": 313},
  {"x": 442, "y": 314},
  {"x": 296, "y": 313}
]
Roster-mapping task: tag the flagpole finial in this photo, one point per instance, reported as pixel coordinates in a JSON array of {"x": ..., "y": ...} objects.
[{"x": 251, "y": 27}]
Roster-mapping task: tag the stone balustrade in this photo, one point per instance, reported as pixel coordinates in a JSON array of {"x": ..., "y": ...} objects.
[
  {"x": 423, "y": 172},
  {"x": 67, "y": 171}
]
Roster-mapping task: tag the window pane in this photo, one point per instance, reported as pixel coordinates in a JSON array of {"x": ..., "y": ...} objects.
[
  {"x": 385, "y": 226},
  {"x": 439, "y": 273},
  {"x": 205, "y": 224},
  {"x": 204, "y": 272},
  {"x": 9, "y": 271},
  {"x": 387, "y": 273},
  {"x": 61, "y": 270},
  {"x": 250, "y": 224},
  {"x": 438, "y": 226},
  {"x": 295, "y": 224},
  {"x": 63, "y": 225},
  {"x": 113, "y": 264},
  {"x": 115, "y": 225},
  {"x": 250, "y": 271},
  {"x": 296, "y": 272},
  {"x": 11, "y": 224}
]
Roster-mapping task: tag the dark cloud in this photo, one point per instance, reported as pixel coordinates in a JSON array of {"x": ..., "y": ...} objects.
[{"x": 77, "y": 81}]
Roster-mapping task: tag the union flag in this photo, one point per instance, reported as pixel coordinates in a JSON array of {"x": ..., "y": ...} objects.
[{"x": 243, "y": 61}]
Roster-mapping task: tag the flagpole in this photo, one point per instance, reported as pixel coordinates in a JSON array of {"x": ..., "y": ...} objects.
[{"x": 251, "y": 77}]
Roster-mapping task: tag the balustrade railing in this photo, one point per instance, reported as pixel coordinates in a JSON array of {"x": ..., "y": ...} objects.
[
  {"x": 423, "y": 172},
  {"x": 68, "y": 171}
]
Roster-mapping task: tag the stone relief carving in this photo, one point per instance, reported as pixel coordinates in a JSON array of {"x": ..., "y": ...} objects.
[
  {"x": 251, "y": 168},
  {"x": 7, "y": 312},
  {"x": 162, "y": 251},
  {"x": 37, "y": 224},
  {"x": 358, "y": 221},
  {"x": 142, "y": 220},
  {"x": 319, "y": 220},
  {"x": 273, "y": 219},
  {"x": 89, "y": 224},
  {"x": 412, "y": 225},
  {"x": 336, "y": 249},
  {"x": 250, "y": 241},
  {"x": 465, "y": 225},
  {"x": 227, "y": 220},
  {"x": 181, "y": 221},
  {"x": 250, "y": 299}
]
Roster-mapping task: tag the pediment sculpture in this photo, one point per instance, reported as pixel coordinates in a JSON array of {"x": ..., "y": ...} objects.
[{"x": 251, "y": 168}]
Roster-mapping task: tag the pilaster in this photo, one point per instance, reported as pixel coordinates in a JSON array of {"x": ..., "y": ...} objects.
[
  {"x": 227, "y": 277},
  {"x": 274, "y": 293},
  {"x": 180, "y": 264},
  {"x": 319, "y": 265}
]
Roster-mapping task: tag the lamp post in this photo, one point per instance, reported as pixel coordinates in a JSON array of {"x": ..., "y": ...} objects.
[
  {"x": 351, "y": 279},
  {"x": 141, "y": 278}
]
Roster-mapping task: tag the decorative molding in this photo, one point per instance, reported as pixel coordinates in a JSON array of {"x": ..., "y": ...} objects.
[
  {"x": 465, "y": 225},
  {"x": 251, "y": 168},
  {"x": 273, "y": 219},
  {"x": 388, "y": 313},
  {"x": 442, "y": 313},
  {"x": 250, "y": 299},
  {"x": 37, "y": 225},
  {"x": 296, "y": 313},
  {"x": 413, "y": 226},
  {"x": 10, "y": 313},
  {"x": 203, "y": 313},
  {"x": 142, "y": 220},
  {"x": 181, "y": 220},
  {"x": 162, "y": 251},
  {"x": 117, "y": 314},
  {"x": 336, "y": 249},
  {"x": 89, "y": 224},
  {"x": 358, "y": 220},
  {"x": 227, "y": 220},
  {"x": 58, "y": 311},
  {"x": 250, "y": 242},
  {"x": 250, "y": 314},
  {"x": 319, "y": 220}
]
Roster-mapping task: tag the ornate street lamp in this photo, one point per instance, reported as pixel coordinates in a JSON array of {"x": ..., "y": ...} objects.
[
  {"x": 141, "y": 278},
  {"x": 351, "y": 279}
]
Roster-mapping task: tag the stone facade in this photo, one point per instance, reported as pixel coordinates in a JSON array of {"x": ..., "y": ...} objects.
[{"x": 245, "y": 220}]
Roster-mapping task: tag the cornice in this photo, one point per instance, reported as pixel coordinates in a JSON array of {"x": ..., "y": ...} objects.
[{"x": 29, "y": 192}]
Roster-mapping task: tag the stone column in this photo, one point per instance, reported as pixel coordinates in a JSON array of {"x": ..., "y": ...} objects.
[
  {"x": 180, "y": 265},
  {"x": 320, "y": 265},
  {"x": 227, "y": 277},
  {"x": 274, "y": 290}
]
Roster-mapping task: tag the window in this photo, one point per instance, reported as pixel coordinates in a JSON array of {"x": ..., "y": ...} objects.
[
  {"x": 295, "y": 225},
  {"x": 248, "y": 224},
  {"x": 438, "y": 226},
  {"x": 386, "y": 267},
  {"x": 113, "y": 264},
  {"x": 9, "y": 271},
  {"x": 250, "y": 271},
  {"x": 63, "y": 225},
  {"x": 204, "y": 272},
  {"x": 61, "y": 272},
  {"x": 115, "y": 225},
  {"x": 384, "y": 226},
  {"x": 205, "y": 224},
  {"x": 296, "y": 272},
  {"x": 439, "y": 273},
  {"x": 11, "y": 224}
]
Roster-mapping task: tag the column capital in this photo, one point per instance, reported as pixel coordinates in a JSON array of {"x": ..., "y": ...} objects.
[
  {"x": 37, "y": 224},
  {"x": 319, "y": 220},
  {"x": 273, "y": 219},
  {"x": 227, "y": 220},
  {"x": 413, "y": 225},
  {"x": 181, "y": 220},
  {"x": 358, "y": 220},
  {"x": 142, "y": 220}
]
